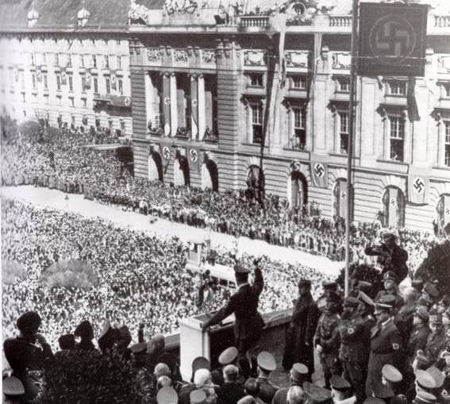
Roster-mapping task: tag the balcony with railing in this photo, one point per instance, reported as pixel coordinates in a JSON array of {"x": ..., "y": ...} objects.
[
  {"x": 257, "y": 21},
  {"x": 340, "y": 20}
]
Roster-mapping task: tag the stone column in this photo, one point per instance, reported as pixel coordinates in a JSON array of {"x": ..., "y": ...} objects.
[
  {"x": 194, "y": 106},
  {"x": 201, "y": 106},
  {"x": 440, "y": 143},
  {"x": 173, "y": 105}
]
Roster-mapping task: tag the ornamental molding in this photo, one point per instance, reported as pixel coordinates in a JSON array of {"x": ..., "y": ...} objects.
[
  {"x": 341, "y": 60},
  {"x": 138, "y": 14},
  {"x": 154, "y": 55},
  {"x": 180, "y": 56},
  {"x": 297, "y": 58},
  {"x": 255, "y": 58},
  {"x": 180, "y": 6},
  {"x": 208, "y": 56}
]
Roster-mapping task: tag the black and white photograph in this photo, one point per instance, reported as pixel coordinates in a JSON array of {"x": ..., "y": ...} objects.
[{"x": 225, "y": 201}]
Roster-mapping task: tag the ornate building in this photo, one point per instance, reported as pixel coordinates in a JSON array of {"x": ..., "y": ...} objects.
[{"x": 206, "y": 82}]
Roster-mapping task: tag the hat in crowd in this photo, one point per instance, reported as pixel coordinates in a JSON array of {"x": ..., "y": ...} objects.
[
  {"x": 247, "y": 400},
  {"x": 390, "y": 276},
  {"x": 363, "y": 297},
  {"x": 436, "y": 319},
  {"x": 374, "y": 400},
  {"x": 66, "y": 341},
  {"x": 425, "y": 380},
  {"x": 240, "y": 269},
  {"x": 304, "y": 282},
  {"x": 424, "y": 397},
  {"x": 437, "y": 375},
  {"x": 391, "y": 374},
  {"x": 197, "y": 397},
  {"x": 299, "y": 371},
  {"x": 422, "y": 313},
  {"x": 230, "y": 370},
  {"x": 12, "y": 386},
  {"x": 167, "y": 395},
  {"x": 161, "y": 369},
  {"x": 200, "y": 362},
  {"x": 333, "y": 297},
  {"x": 84, "y": 330},
  {"x": 139, "y": 348},
  {"x": 29, "y": 322},
  {"x": 339, "y": 383},
  {"x": 317, "y": 394},
  {"x": 385, "y": 302},
  {"x": 431, "y": 289},
  {"x": 329, "y": 285},
  {"x": 351, "y": 301},
  {"x": 266, "y": 361},
  {"x": 228, "y": 356},
  {"x": 201, "y": 377}
]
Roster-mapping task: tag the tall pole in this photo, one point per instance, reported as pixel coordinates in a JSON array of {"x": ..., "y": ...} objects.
[{"x": 351, "y": 136}]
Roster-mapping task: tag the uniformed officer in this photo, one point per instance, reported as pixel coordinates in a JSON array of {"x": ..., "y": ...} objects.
[
  {"x": 326, "y": 339},
  {"x": 266, "y": 365},
  {"x": 13, "y": 390},
  {"x": 317, "y": 394},
  {"x": 390, "y": 288},
  {"x": 297, "y": 376},
  {"x": 351, "y": 333},
  {"x": 328, "y": 288},
  {"x": 437, "y": 340},
  {"x": 419, "y": 335},
  {"x": 385, "y": 342},
  {"x": 341, "y": 390}
]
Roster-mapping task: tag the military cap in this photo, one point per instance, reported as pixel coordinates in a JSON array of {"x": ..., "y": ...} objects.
[
  {"x": 363, "y": 297},
  {"x": 12, "y": 386},
  {"x": 317, "y": 394},
  {"x": 200, "y": 362},
  {"x": 351, "y": 301},
  {"x": 339, "y": 383},
  {"x": 329, "y": 285},
  {"x": 385, "y": 302},
  {"x": 84, "y": 330},
  {"x": 391, "y": 374},
  {"x": 247, "y": 400},
  {"x": 304, "y": 282},
  {"x": 197, "y": 397},
  {"x": 437, "y": 375},
  {"x": 390, "y": 276},
  {"x": 240, "y": 269},
  {"x": 436, "y": 319},
  {"x": 66, "y": 341},
  {"x": 29, "y": 322},
  {"x": 299, "y": 370},
  {"x": 423, "y": 397},
  {"x": 201, "y": 377},
  {"x": 167, "y": 395},
  {"x": 228, "y": 356},
  {"x": 422, "y": 313},
  {"x": 266, "y": 361},
  {"x": 139, "y": 348},
  {"x": 230, "y": 370},
  {"x": 424, "y": 379},
  {"x": 374, "y": 400},
  {"x": 161, "y": 369}
]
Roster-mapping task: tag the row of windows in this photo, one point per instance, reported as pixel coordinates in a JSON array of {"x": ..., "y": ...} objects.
[{"x": 85, "y": 60}]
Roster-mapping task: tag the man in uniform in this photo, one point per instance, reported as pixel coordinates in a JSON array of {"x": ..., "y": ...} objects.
[
  {"x": 328, "y": 288},
  {"x": 385, "y": 342},
  {"x": 300, "y": 335},
  {"x": 244, "y": 304},
  {"x": 266, "y": 364},
  {"x": 390, "y": 288},
  {"x": 352, "y": 348},
  {"x": 437, "y": 340},
  {"x": 23, "y": 354},
  {"x": 326, "y": 339},
  {"x": 297, "y": 376}
]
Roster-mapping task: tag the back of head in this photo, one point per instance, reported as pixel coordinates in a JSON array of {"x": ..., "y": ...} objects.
[
  {"x": 230, "y": 373},
  {"x": 66, "y": 341},
  {"x": 201, "y": 378},
  {"x": 164, "y": 381},
  {"x": 161, "y": 369},
  {"x": 84, "y": 330},
  {"x": 29, "y": 323},
  {"x": 251, "y": 387},
  {"x": 295, "y": 395}
]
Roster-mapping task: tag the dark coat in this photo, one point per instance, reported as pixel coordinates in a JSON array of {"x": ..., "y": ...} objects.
[
  {"x": 266, "y": 390},
  {"x": 244, "y": 304},
  {"x": 230, "y": 393},
  {"x": 300, "y": 335},
  {"x": 394, "y": 260},
  {"x": 417, "y": 340}
]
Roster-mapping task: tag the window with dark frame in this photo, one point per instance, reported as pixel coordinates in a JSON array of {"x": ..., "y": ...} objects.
[
  {"x": 447, "y": 144},
  {"x": 446, "y": 87},
  {"x": 299, "y": 135},
  {"x": 120, "y": 86},
  {"x": 95, "y": 80},
  {"x": 344, "y": 84},
  {"x": 256, "y": 79},
  {"x": 396, "y": 87},
  {"x": 108, "y": 85},
  {"x": 58, "y": 82},
  {"x": 257, "y": 123},
  {"x": 343, "y": 132},
  {"x": 70, "y": 79},
  {"x": 299, "y": 82},
  {"x": 397, "y": 137}
]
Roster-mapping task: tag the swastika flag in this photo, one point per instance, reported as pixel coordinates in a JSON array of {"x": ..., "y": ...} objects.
[
  {"x": 418, "y": 189},
  {"x": 319, "y": 174}
]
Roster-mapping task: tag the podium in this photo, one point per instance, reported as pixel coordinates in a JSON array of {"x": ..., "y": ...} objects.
[{"x": 195, "y": 343}]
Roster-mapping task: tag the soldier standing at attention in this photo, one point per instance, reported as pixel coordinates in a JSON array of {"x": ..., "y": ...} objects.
[{"x": 326, "y": 339}]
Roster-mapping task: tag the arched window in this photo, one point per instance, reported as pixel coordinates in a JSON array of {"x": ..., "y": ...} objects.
[
  {"x": 210, "y": 175},
  {"x": 181, "y": 171},
  {"x": 299, "y": 190},
  {"x": 443, "y": 211},
  {"x": 255, "y": 182},
  {"x": 340, "y": 198},
  {"x": 393, "y": 207},
  {"x": 155, "y": 167}
]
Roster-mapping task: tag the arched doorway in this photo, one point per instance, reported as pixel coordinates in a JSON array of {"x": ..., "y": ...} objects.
[
  {"x": 210, "y": 175},
  {"x": 443, "y": 211},
  {"x": 340, "y": 197},
  {"x": 181, "y": 171},
  {"x": 299, "y": 190},
  {"x": 255, "y": 183},
  {"x": 393, "y": 207},
  {"x": 155, "y": 167}
]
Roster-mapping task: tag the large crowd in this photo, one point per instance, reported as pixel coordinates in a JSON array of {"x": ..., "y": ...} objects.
[{"x": 60, "y": 159}]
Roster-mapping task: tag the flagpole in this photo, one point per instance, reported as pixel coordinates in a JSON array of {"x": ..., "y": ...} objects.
[{"x": 351, "y": 136}]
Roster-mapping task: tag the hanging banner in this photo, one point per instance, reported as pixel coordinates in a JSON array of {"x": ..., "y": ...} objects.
[
  {"x": 319, "y": 175},
  {"x": 418, "y": 186},
  {"x": 392, "y": 39}
]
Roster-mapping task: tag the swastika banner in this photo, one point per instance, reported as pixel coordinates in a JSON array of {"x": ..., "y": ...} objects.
[
  {"x": 319, "y": 174},
  {"x": 418, "y": 189},
  {"x": 392, "y": 39}
]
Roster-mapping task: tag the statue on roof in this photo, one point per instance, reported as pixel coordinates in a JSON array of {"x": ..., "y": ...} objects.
[
  {"x": 180, "y": 6},
  {"x": 138, "y": 13}
]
